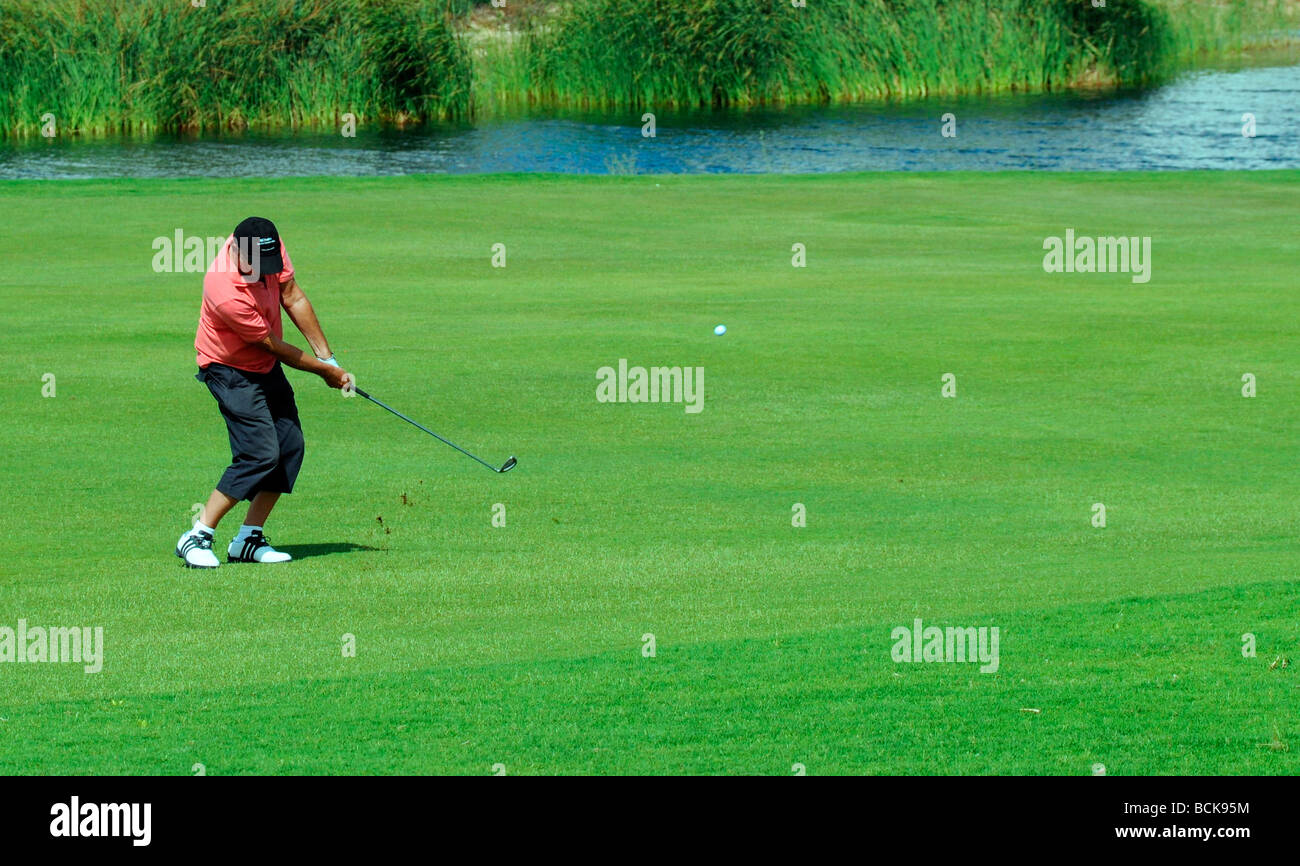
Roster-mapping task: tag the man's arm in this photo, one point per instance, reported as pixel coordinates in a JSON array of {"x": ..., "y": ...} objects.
[
  {"x": 302, "y": 313},
  {"x": 335, "y": 377}
]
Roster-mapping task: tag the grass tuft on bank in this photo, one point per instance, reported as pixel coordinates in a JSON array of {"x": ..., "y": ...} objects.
[
  {"x": 139, "y": 66},
  {"x": 744, "y": 52}
]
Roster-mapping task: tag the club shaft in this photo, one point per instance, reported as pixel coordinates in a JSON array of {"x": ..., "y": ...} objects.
[{"x": 425, "y": 429}]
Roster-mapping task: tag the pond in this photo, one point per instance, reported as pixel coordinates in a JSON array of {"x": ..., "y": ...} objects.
[{"x": 1193, "y": 122}]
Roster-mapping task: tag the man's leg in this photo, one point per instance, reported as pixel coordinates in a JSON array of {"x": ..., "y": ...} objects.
[
  {"x": 264, "y": 460},
  {"x": 195, "y": 545},
  {"x": 251, "y": 543},
  {"x": 254, "y": 450},
  {"x": 218, "y": 504},
  {"x": 260, "y": 508}
]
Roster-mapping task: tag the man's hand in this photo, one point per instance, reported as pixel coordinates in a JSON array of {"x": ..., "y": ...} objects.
[
  {"x": 348, "y": 380},
  {"x": 337, "y": 377}
]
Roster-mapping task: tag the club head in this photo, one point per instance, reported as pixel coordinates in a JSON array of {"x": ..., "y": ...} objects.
[{"x": 508, "y": 465}]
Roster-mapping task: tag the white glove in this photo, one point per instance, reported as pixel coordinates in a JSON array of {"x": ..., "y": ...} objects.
[{"x": 330, "y": 360}]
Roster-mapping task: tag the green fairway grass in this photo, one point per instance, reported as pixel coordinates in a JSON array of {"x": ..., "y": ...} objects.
[{"x": 522, "y": 645}]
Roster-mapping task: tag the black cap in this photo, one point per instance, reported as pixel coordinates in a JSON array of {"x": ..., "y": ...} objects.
[{"x": 258, "y": 242}]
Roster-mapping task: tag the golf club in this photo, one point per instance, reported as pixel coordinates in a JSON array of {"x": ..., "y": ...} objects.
[{"x": 505, "y": 467}]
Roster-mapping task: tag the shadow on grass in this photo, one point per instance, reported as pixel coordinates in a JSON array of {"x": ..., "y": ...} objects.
[{"x": 302, "y": 551}]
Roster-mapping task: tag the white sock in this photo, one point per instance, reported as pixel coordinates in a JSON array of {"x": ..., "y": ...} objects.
[
  {"x": 199, "y": 527},
  {"x": 244, "y": 531}
]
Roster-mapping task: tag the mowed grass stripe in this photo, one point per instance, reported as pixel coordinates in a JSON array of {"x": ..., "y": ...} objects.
[{"x": 1144, "y": 686}]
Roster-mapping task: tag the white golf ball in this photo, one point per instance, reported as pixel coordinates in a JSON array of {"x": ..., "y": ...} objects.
[{"x": 720, "y": 330}]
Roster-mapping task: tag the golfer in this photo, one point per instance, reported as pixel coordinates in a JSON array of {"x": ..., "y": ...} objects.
[{"x": 240, "y": 352}]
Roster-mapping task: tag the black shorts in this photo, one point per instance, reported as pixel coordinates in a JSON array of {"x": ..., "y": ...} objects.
[{"x": 266, "y": 444}]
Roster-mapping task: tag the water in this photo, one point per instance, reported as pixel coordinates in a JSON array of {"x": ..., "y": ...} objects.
[{"x": 1194, "y": 122}]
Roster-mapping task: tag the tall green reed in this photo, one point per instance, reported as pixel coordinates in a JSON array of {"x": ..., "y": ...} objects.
[
  {"x": 148, "y": 65},
  {"x": 720, "y": 52}
]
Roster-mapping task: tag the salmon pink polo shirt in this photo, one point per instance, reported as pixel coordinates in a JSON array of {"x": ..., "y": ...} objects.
[{"x": 237, "y": 314}]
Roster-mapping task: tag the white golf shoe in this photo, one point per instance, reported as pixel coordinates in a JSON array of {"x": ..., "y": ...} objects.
[
  {"x": 255, "y": 548},
  {"x": 195, "y": 549}
]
